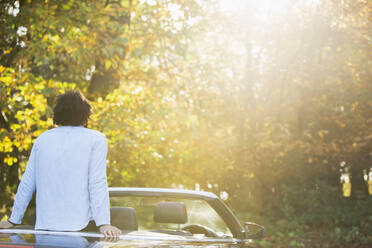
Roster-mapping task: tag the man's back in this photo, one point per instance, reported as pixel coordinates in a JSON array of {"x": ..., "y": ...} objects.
[
  {"x": 67, "y": 166},
  {"x": 61, "y": 167}
]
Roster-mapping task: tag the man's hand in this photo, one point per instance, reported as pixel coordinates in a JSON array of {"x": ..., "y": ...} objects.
[
  {"x": 5, "y": 224},
  {"x": 110, "y": 231}
]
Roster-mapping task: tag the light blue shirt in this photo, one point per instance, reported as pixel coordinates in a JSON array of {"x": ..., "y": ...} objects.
[{"x": 67, "y": 167}]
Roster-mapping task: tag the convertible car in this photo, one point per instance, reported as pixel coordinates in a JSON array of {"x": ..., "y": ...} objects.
[{"x": 151, "y": 217}]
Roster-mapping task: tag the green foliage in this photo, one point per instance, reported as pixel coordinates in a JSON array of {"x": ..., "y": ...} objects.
[{"x": 264, "y": 109}]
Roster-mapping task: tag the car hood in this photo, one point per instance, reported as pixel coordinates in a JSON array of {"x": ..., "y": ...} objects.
[{"x": 31, "y": 238}]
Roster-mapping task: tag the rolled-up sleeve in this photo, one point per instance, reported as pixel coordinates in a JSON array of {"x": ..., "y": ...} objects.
[
  {"x": 98, "y": 190},
  {"x": 25, "y": 189}
]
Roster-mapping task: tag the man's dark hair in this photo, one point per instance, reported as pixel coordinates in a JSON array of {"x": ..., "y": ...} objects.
[{"x": 72, "y": 109}]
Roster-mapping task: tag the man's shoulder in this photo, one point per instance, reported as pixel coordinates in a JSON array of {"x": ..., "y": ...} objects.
[
  {"x": 96, "y": 136},
  {"x": 43, "y": 135},
  {"x": 94, "y": 133},
  {"x": 83, "y": 130}
]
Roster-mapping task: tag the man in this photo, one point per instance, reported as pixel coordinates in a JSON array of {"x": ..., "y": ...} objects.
[{"x": 67, "y": 167}]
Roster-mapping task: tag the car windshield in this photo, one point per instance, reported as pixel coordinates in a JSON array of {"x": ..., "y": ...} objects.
[{"x": 199, "y": 212}]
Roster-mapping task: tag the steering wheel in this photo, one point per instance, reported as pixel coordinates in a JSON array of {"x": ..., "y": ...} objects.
[{"x": 199, "y": 229}]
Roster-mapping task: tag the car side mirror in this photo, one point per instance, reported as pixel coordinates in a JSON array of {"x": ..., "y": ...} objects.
[{"x": 253, "y": 231}]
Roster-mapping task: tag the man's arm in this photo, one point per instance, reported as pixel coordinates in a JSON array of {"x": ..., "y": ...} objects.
[
  {"x": 98, "y": 190},
  {"x": 25, "y": 190}
]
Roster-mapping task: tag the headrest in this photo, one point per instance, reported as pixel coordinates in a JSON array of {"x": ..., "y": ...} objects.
[
  {"x": 170, "y": 212},
  {"x": 124, "y": 218}
]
